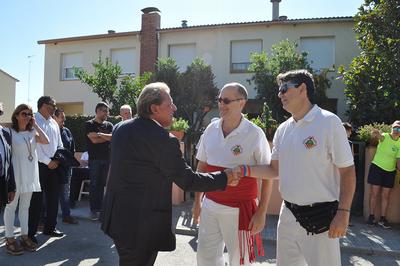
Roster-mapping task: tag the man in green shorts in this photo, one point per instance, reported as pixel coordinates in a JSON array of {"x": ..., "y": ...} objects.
[{"x": 382, "y": 171}]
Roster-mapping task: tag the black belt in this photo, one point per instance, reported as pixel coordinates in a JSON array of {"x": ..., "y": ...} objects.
[{"x": 295, "y": 206}]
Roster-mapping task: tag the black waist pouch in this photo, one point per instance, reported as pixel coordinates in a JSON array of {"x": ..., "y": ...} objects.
[{"x": 315, "y": 218}]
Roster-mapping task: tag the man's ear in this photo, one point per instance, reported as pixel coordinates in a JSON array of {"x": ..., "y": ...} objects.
[{"x": 154, "y": 109}]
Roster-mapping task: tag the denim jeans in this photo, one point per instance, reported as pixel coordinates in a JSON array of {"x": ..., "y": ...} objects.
[
  {"x": 98, "y": 178},
  {"x": 64, "y": 196}
]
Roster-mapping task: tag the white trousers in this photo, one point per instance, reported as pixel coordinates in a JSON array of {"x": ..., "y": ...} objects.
[
  {"x": 219, "y": 225},
  {"x": 23, "y": 213},
  {"x": 296, "y": 248}
]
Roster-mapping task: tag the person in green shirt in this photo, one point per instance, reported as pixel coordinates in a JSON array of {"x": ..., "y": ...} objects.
[{"x": 382, "y": 172}]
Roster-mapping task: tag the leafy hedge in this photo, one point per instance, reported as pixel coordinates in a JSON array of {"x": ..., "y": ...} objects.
[{"x": 75, "y": 123}]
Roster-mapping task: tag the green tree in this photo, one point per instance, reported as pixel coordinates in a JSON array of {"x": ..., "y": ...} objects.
[
  {"x": 107, "y": 83},
  {"x": 372, "y": 79},
  {"x": 283, "y": 57},
  {"x": 197, "y": 93}
]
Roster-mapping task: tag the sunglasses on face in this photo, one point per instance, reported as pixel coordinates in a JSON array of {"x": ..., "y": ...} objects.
[
  {"x": 227, "y": 101},
  {"x": 52, "y": 104},
  {"x": 284, "y": 87},
  {"x": 25, "y": 114},
  {"x": 396, "y": 129}
]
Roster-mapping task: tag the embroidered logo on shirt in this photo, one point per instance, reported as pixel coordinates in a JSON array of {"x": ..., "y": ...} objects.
[
  {"x": 236, "y": 150},
  {"x": 310, "y": 142}
]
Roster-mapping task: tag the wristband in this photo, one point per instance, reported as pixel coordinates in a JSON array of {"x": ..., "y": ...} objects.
[{"x": 345, "y": 210}]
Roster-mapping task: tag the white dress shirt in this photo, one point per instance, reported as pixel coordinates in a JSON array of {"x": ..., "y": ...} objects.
[{"x": 46, "y": 151}]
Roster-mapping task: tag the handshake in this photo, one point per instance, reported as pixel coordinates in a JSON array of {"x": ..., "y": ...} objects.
[{"x": 235, "y": 174}]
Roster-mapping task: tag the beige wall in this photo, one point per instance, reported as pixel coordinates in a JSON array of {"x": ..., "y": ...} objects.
[
  {"x": 213, "y": 45},
  {"x": 7, "y": 92},
  {"x": 73, "y": 91}
]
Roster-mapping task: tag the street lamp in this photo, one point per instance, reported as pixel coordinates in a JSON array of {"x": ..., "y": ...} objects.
[{"x": 29, "y": 75}]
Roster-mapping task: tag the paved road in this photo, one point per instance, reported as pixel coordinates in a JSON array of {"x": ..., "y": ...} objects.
[{"x": 86, "y": 245}]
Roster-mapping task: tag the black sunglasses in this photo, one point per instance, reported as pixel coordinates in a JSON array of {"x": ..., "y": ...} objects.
[
  {"x": 284, "y": 87},
  {"x": 227, "y": 101},
  {"x": 25, "y": 114},
  {"x": 51, "y": 104}
]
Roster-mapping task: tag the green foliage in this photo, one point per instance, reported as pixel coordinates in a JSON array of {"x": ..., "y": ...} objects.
[
  {"x": 282, "y": 58},
  {"x": 75, "y": 123},
  {"x": 107, "y": 83},
  {"x": 372, "y": 79},
  {"x": 193, "y": 91},
  {"x": 179, "y": 124},
  {"x": 266, "y": 122},
  {"x": 364, "y": 132}
]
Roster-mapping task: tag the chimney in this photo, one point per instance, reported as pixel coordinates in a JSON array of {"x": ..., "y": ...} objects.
[
  {"x": 275, "y": 9},
  {"x": 149, "y": 39},
  {"x": 184, "y": 23}
]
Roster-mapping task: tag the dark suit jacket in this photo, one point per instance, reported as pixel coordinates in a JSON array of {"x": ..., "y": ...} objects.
[
  {"x": 145, "y": 160},
  {"x": 7, "y": 182}
]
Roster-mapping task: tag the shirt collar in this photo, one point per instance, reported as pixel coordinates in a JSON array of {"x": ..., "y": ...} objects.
[
  {"x": 155, "y": 121},
  {"x": 242, "y": 127},
  {"x": 40, "y": 116},
  {"x": 308, "y": 117}
]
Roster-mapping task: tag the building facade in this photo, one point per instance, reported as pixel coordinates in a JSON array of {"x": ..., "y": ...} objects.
[
  {"x": 330, "y": 42},
  {"x": 7, "y": 89}
]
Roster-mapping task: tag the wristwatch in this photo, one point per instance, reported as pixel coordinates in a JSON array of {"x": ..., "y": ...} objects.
[{"x": 98, "y": 134}]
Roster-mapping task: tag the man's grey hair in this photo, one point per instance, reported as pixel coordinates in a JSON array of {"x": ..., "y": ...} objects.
[
  {"x": 125, "y": 106},
  {"x": 240, "y": 89},
  {"x": 151, "y": 94}
]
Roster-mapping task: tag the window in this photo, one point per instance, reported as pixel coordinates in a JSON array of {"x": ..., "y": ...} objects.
[
  {"x": 240, "y": 54},
  {"x": 183, "y": 54},
  {"x": 68, "y": 62},
  {"x": 126, "y": 59},
  {"x": 321, "y": 51}
]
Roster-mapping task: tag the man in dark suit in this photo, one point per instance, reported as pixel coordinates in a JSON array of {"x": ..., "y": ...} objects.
[
  {"x": 145, "y": 160},
  {"x": 7, "y": 182}
]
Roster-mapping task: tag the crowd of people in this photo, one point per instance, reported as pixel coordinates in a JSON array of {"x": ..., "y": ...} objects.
[{"x": 137, "y": 158}]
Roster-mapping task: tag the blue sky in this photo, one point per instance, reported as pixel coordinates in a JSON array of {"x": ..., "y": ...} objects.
[{"x": 24, "y": 22}]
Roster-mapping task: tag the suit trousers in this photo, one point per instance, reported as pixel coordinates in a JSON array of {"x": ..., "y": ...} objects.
[
  {"x": 135, "y": 257},
  {"x": 296, "y": 248},
  {"x": 49, "y": 182}
]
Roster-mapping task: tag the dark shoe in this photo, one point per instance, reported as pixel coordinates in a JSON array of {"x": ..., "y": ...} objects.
[
  {"x": 34, "y": 239},
  {"x": 384, "y": 223},
  {"x": 13, "y": 248},
  {"x": 371, "y": 220},
  {"x": 27, "y": 244},
  {"x": 95, "y": 216},
  {"x": 70, "y": 220},
  {"x": 54, "y": 233}
]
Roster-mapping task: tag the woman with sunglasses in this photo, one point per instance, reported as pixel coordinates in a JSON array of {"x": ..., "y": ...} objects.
[
  {"x": 25, "y": 134},
  {"x": 382, "y": 172}
]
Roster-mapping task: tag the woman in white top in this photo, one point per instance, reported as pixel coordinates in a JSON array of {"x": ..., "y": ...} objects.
[{"x": 25, "y": 133}]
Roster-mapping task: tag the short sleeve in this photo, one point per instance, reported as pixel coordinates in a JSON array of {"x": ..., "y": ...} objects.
[
  {"x": 275, "y": 145},
  {"x": 263, "y": 153},
  {"x": 339, "y": 146},
  {"x": 201, "y": 152}
]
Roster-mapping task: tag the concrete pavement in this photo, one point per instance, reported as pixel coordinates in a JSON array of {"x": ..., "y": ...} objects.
[
  {"x": 361, "y": 238},
  {"x": 85, "y": 244}
]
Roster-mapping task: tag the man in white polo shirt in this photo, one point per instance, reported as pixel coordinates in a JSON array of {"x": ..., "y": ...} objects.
[
  {"x": 231, "y": 218},
  {"x": 315, "y": 165}
]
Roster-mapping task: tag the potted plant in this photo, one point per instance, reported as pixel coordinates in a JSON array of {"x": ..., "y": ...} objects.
[{"x": 179, "y": 127}]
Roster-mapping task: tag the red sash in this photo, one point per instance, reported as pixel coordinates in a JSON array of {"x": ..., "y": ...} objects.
[{"x": 243, "y": 196}]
